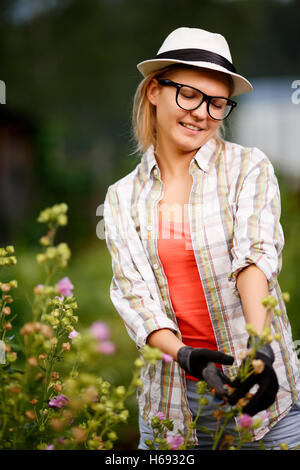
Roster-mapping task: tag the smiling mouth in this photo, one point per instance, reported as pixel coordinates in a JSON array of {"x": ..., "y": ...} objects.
[{"x": 191, "y": 127}]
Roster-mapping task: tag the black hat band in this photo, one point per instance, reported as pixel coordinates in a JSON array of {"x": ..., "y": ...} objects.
[{"x": 201, "y": 55}]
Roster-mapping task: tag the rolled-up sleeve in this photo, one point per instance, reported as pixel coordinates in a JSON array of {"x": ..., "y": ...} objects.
[
  {"x": 258, "y": 237},
  {"x": 132, "y": 287}
]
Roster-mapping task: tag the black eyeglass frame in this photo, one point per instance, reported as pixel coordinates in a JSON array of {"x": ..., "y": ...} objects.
[{"x": 206, "y": 98}]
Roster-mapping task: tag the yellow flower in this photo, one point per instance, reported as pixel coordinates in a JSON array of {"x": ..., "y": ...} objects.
[
  {"x": 120, "y": 391},
  {"x": 266, "y": 334},
  {"x": 139, "y": 363},
  {"x": 286, "y": 296},
  {"x": 284, "y": 446},
  {"x": 62, "y": 219},
  {"x": 269, "y": 301},
  {"x": 250, "y": 329}
]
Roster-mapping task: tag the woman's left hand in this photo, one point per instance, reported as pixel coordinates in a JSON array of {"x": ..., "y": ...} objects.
[{"x": 266, "y": 380}]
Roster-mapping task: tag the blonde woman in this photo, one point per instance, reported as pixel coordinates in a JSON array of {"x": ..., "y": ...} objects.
[{"x": 196, "y": 244}]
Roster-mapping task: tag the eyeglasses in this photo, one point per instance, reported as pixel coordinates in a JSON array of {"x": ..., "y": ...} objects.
[{"x": 190, "y": 98}]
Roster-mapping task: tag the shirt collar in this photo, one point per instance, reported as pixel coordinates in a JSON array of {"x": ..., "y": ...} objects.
[{"x": 204, "y": 158}]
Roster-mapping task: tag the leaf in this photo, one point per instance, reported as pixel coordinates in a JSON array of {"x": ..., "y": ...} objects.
[{"x": 261, "y": 445}]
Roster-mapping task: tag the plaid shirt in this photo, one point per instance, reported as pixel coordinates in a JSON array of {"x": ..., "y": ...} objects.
[{"x": 234, "y": 212}]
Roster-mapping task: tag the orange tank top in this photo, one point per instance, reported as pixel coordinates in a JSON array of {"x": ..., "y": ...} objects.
[{"x": 185, "y": 287}]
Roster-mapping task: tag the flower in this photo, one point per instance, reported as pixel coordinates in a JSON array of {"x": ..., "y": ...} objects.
[
  {"x": 107, "y": 347},
  {"x": 286, "y": 296},
  {"x": 160, "y": 415},
  {"x": 250, "y": 329},
  {"x": 175, "y": 441},
  {"x": 65, "y": 287},
  {"x": 79, "y": 434},
  {"x": 31, "y": 415},
  {"x": 284, "y": 446},
  {"x": 33, "y": 362},
  {"x": 50, "y": 447},
  {"x": 269, "y": 301},
  {"x": 245, "y": 421},
  {"x": 58, "y": 402},
  {"x": 100, "y": 330},
  {"x": 167, "y": 357},
  {"x": 61, "y": 440},
  {"x": 39, "y": 289},
  {"x": 73, "y": 334}
]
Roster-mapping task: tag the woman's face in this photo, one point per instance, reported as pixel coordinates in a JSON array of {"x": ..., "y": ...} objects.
[{"x": 180, "y": 131}]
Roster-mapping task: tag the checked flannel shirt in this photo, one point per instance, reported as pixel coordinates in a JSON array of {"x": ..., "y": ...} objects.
[{"x": 234, "y": 212}]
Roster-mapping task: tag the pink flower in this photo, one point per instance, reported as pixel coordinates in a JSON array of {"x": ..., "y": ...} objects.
[
  {"x": 160, "y": 415},
  {"x": 61, "y": 440},
  {"x": 167, "y": 357},
  {"x": 175, "y": 441},
  {"x": 245, "y": 421},
  {"x": 100, "y": 330},
  {"x": 73, "y": 334},
  {"x": 65, "y": 287},
  {"x": 39, "y": 289},
  {"x": 58, "y": 402},
  {"x": 107, "y": 347},
  {"x": 50, "y": 447}
]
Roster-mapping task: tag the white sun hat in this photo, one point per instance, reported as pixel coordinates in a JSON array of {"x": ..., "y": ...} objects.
[{"x": 199, "y": 48}]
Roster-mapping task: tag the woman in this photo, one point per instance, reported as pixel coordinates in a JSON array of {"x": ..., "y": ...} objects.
[{"x": 196, "y": 242}]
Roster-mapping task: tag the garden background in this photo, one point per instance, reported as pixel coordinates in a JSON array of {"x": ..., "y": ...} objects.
[{"x": 70, "y": 72}]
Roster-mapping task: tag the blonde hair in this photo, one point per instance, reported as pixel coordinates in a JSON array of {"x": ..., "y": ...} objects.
[{"x": 144, "y": 113}]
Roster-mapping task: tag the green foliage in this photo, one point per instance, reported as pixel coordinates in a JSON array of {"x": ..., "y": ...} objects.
[{"x": 52, "y": 396}]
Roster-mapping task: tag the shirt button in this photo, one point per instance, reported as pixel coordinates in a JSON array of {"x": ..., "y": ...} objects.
[
  {"x": 149, "y": 227},
  {"x": 155, "y": 266}
]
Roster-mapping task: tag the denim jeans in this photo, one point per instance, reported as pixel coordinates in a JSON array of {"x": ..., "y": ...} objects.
[{"x": 287, "y": 430}]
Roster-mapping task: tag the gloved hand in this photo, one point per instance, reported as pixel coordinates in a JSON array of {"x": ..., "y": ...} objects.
[
  {"x": 266, "y": 380},
  {"x": 194, "y": 360}
]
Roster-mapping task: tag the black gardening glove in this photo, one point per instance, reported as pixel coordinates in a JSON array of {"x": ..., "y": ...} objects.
[
  {"x": 266, "y": 380},
  {"x": 195, "y": 360}
]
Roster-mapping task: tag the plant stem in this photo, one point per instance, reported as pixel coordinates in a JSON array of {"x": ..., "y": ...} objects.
[{"x": 219, "y": 435}]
